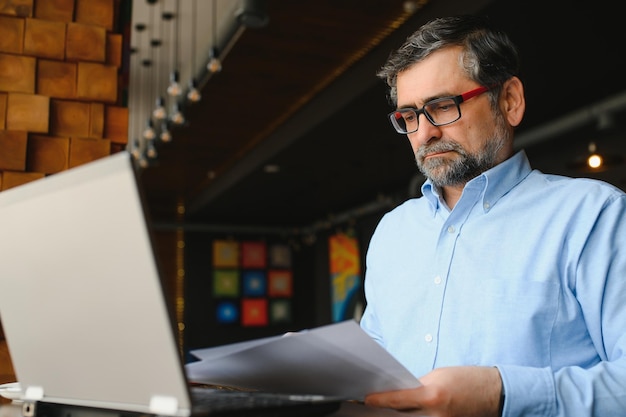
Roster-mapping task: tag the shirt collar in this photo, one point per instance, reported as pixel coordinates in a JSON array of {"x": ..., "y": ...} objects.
[{"x": 496, "y": 181}]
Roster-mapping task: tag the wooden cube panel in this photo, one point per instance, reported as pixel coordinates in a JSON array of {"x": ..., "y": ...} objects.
[
  {"x": 11, "y": 35},
  {"x": 28, "y": 112},
  {"x": 44, "y": 38},
  {"x": 85, "y": 43},
  {"x": 17, "y": 73},
  {"x": 13, "y": 150},
  {"x": 116, "y": 124},
  {"x": 97, "y": 82},
  {"x": 56, "y": 79},
  {"x": 3, "y": 111},
  {"x": 57, "y": 10},
  {"x": 95, "y": 12},
  {"x": 96, "y": 120},
  {"x": 117, "y": 147},
  {"x": 87, "y": 150},
  {"x": 114, "y": 50},
  {"x": 22, "y": 8},
  {"x": 48, "y": 154},
  {"x": 69, "y": 118},
  {"x": 12, "y": 179}
]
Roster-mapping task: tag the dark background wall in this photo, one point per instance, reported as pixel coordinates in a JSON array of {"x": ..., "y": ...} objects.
[{"x": 311, "y": 300}]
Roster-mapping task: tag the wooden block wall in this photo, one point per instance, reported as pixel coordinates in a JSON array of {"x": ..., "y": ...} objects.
[{"x": 60, "y": 63}]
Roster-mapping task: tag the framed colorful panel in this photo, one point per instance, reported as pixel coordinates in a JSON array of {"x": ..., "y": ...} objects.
[
  {"x": 345, "y": 275},
  {"x": 226, "y": 283},
  {"x": 254, "y": 312},
  {"x": 227, "y": 312},
  {"x": 225, "y": 254},
  {"x": 280, "y": 311},
  {"x": 280, "y": 256},
  {"x": 254, "y": 283},
  {"x": 253, "y": 255},
  {"x": 280, "y": 283}
]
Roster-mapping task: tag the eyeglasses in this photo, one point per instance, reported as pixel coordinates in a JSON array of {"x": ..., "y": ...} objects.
[{"x": 439, "y": 112}]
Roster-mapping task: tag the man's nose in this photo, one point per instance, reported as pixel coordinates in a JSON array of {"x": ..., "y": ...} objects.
[{"x": 426, "y": 132}]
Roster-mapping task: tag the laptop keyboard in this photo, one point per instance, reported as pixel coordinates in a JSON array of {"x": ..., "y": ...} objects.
[{"x": 222, "y": 401}]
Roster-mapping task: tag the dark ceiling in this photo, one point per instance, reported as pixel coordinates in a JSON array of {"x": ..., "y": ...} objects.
[{"x": 301, "y": 94}]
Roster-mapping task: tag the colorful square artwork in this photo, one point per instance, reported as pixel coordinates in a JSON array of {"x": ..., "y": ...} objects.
[
  {"x": 280, "y": 311},
  {"x": 227, "y": 312},
  {"x": 254, "y": 312},
  {"x": 345, "y": 274},
  {"x": 225, "y": 254},
  {"x": 280, "y": 283},
  {"x": 253, "y": 255},
  {"x": 226, "y": 283},
  {"x": 280, "y": 256},
  {"x": 254, "y": 283}
]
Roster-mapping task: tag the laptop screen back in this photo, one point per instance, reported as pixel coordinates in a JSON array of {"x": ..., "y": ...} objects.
[{"x": 81, "y": 301}]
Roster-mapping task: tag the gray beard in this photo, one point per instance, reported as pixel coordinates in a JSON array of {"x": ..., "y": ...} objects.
[{"x": 443, "y": 171}]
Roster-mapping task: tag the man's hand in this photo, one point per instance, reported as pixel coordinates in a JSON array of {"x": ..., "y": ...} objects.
[{"x": 461, "y": 391}]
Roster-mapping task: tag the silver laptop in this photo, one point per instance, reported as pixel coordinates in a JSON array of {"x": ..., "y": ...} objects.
[{"x": 82, "y": 303}]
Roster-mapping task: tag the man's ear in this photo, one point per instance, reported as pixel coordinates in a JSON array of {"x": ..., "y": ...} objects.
[{"x": 512, "y": 101}]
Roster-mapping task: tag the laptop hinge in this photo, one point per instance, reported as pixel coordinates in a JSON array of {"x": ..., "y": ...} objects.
[
  {"x": 32, "y": 394},
  {"x": 163, "y": 405}
]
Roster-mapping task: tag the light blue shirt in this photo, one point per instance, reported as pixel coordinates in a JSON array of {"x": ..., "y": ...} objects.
[{"x": 526, "y": 273}]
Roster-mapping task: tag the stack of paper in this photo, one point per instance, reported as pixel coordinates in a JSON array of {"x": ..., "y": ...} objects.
[{"x": 338, "y": 359}]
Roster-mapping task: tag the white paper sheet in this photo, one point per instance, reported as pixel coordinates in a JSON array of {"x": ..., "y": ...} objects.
[{"x": 338, "y": 359}]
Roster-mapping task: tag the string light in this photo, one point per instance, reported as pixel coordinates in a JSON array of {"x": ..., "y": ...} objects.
[
  {"x": 135, "y": 148},
  {"x": 193, "y": 94},
  {"x": 174, "y": 89},
  {"x": 143, "y": 161},
  {"x": 160, "y": 113},
  {"x": 151, "y": 151},
  {"x": 165, "y": 135},
  {"x": 160, "y": 65},
  {"x": 215, "y": 64},
  {"x": 149, "y": 133},
  {"x": 177, "y": 115}
]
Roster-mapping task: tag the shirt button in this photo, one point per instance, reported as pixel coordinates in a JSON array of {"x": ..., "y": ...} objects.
[
  {"x": 486, "y": 205},
  {"x": 437, "y": 280},
  {"x": 428, "y": 337},
  {"x": 450, "y": 229}
]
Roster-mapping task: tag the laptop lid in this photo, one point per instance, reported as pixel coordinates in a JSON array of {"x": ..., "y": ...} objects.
[{"x": 81, "y": 300}]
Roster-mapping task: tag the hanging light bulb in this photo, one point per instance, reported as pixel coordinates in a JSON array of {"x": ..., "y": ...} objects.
[
  {"x": 165, "y": 135},
  {"x": 174, "y": 89},
  {"x": 151, "y": 151},
  {"x": 159, "y": 112},
  {"x": 177, "y": 115},
  {"x": 193, "y": 94},
  {"x": 143, "y": 161},
  {"x": 594, "y": 160},
  {"x": 215, "y": 64},
  {"x": 135, "y": 149},
  {"x": 149, "y": 132}
]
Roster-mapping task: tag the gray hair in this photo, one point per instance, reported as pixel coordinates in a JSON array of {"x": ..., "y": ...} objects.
[{"x": 489, "y": 57}]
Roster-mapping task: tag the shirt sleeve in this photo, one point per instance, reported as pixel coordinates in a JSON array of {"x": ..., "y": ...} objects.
[{"x": 600, "y": 285}]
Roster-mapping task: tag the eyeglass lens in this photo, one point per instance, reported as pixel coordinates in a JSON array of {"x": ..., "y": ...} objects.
[{"x": 438, "y": 112}]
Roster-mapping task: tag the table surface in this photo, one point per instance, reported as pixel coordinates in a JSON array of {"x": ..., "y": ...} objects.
[{"x": 348, "y": 409}]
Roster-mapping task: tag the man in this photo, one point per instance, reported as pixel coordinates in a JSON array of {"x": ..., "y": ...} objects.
[{"x": 502, "y": 289}]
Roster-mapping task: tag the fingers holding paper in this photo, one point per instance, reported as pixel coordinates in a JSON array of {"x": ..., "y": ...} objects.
[{"x": 467, "y": 391}]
